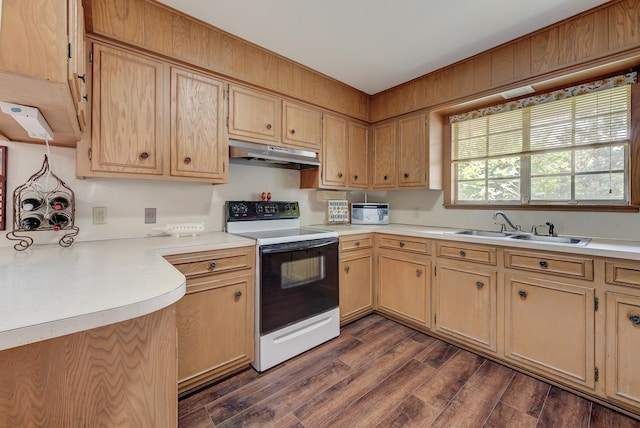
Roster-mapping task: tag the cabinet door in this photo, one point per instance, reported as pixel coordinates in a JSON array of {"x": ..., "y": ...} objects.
[
  {"x": 549, "y": 326},
  {"x": 358, "y": 156},
  {"x": 335, "y": 151},
  {"x": 127, "y": 118},
  {"x": 356, "y": 275},
  {"x": 215, "y": 328},
  {"x": 384, "y": 157},
  {"x": 198, "y": 146},
  {"x": 404, "y": 286},
  {"x": 76, "y": 73},
  {"x": 623, "y": 348},
  {"x": 412, "y": 151},
  {"x": 465, "y": 304},
  {"x": 302, "y": 126},
  {"x": 254, "y": 114}
]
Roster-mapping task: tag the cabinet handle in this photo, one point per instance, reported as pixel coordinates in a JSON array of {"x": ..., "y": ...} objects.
[
  {"x": 144, "y": 155},
  {"x": 212, "y": 265},
  {"x": 187, "y": 160},
  {"x": 339, "y": 175},
  {"x": 462, "y": 253},
  {"x": 238, "y": 293},
  {"x": 83, "y": 77},
  {"x": 346, "y": 269},
  {"x": 522, "y": 294},
  {"x": 86, "y": 97},
  {"x": 358, "y": 244},
  {"x": 401, "y": 244},
  {"x": 268, "y": 126},
  {"x": 479, "y": 284},
  {"x": 386, "y": 177},
  {"x": 406, "y": 175},
  {"x": 355, "y": 177},
  {"x": 634, "y": 319},
  {"x": 418, "y": 272},
  {"x": 543, "y": 264},
  {"x": 293, "y": 131}
]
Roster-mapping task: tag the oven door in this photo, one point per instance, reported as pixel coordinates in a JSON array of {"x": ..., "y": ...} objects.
[{"x": 297, "y": 280}]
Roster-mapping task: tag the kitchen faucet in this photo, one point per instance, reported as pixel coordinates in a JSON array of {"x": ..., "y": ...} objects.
[{"x": 503, "y": 227}]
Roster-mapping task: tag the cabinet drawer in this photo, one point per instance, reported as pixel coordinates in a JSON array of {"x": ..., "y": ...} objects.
[
  {"x": 466, "y": 252},
  {"x": 575, "y": 267},
  {"x": 620, "y": 273},
  {"x": 213, "y": 262},
  {"x": 355, "y": 242},
  {"x": 408, "y": 244}
]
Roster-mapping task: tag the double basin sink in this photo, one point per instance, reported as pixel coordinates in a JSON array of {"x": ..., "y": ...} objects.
[{"x": 525, "y": 237}]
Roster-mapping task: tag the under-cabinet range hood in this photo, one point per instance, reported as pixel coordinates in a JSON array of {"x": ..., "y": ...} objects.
[{"x": 273, "y": 156}]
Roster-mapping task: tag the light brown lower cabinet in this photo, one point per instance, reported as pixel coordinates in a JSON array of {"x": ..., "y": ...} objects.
[
  {"x": 404, "y": 286},
  {"x": 465, "y": 304},
  {"x": 215, "y": 318},
  {"x": 550, "y": 328},
  {"x": 623, "y": 348},
  {"x": 356, "y": 294}
]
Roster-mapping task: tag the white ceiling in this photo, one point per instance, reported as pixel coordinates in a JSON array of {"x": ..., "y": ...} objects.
[{"x": 373, "y": 45}]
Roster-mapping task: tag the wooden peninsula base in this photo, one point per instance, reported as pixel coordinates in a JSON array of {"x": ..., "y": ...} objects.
[{"x": 122, "y": 374}]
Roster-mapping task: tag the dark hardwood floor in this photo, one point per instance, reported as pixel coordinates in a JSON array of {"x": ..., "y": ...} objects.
[{"x": 379, "y": 373}]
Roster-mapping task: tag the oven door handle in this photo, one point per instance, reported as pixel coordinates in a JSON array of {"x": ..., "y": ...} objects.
[{"x": 296, "y": 246}]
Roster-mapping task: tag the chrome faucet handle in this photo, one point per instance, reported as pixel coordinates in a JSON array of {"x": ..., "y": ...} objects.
[{"x": 534, "y": 228}]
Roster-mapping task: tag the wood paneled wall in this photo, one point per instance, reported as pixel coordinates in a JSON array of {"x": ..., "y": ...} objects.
[
  {"x": 611, "y": 31},
  {"x": 152, "y": 26}
]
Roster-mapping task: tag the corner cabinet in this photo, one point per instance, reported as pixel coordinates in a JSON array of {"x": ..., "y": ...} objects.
[
  {"x": 356, "y": 277},
  {"x": 198, "y": 144},
  {"x": 383, "y": 141},
  {"x": 404, "y": 279},
  {"x": 215, "y": 317},
  {"x": 127, "y": 132}
]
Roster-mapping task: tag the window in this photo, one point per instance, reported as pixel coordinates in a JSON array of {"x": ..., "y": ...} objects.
[{"x": 571, "y": 150}]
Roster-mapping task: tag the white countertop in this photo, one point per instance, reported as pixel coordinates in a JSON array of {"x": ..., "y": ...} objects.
[
  {"x": 49, "y": 291},
  {"x": 597, "y": 247}
]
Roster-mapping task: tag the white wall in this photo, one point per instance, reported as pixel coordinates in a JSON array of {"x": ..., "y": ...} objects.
[
  {"x": 195, "y": 202},
  {"x": 126, "y": 199}
]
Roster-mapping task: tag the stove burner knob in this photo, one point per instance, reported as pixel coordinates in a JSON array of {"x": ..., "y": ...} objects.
[{"x": 243, "y": 209}]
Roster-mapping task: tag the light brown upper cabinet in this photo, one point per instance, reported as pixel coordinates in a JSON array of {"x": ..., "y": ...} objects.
[
  {"x": 302, "y": 126},
  {"x": 254, "y": 115},
  {"x": 41, "y": 66},
  {"x": 412, "y": 151},
  {"x": 198, "y": 144},
  {"x": 335, "y": 152},
  {"x": 384, "y": 155},
  {"x": 358, "y": 156},
  {"x": 127, "y": 118}
]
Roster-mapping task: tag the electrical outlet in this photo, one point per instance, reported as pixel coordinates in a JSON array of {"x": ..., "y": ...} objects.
[
  {"x": 99, "y": 215},
  {"x": 416, "y": 213},
  {"x": 149, "y": 215}
]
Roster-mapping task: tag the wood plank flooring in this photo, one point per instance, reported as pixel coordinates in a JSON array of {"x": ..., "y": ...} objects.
[{"x": 379, "y": 373}]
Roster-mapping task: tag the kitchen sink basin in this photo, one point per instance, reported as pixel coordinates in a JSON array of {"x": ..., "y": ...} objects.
[
  {"x": 556, "y": 239},
  {"x": 486, "y": 233}
]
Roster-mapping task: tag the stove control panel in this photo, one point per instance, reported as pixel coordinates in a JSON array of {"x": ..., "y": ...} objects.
[{"x": 261, "y": 210}]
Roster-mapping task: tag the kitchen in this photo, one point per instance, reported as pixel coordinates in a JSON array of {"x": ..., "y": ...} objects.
[{"x": 126, "y": 199}]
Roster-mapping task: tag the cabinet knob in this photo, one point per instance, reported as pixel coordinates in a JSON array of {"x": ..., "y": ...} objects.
[
  {"x": 238, "y": 293},
  {"x": 401, "y": 244},
  {"x": 346, "y": 269},
  {"x": 355, "y": 177},
  {"x": 358, "y": 244},
  {"x": 406, "y": 175},
  {"x": 268, "y": 126},
  {"x": 85, "y": 97},
  {"x": 212, "y": 265},
  {"x": 479, "y": 284},
  {"x": 462, "y": 253},
  {"x": 144, "y": 155},
  {"x": 543, "y": 264},
  {"x": 187, "y": 160},
  {"x": 339, "y": 175},
  {"x": 634, "y": 319},
  {"x": 385, "y": 177},
  {"x": 293, "y": 131},
  {"x": 418, "y": 272},
  {"x": 522, "y": 294},
  {"x": 83, "y": 77}
]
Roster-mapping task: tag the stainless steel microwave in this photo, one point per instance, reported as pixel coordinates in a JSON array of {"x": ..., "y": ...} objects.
[{"x": 369, "y": 213}]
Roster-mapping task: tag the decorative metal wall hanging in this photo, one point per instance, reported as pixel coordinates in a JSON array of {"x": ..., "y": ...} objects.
[{"x": 43, "y": 203}]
